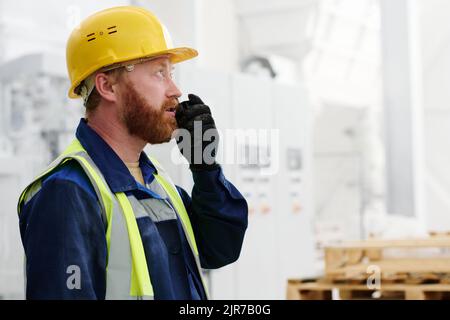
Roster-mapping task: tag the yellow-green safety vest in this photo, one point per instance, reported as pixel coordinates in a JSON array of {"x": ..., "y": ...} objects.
[{"x": 127, "y": 275}]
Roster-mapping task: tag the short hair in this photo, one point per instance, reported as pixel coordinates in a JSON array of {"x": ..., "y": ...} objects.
[{"x": 95, "y": 98}]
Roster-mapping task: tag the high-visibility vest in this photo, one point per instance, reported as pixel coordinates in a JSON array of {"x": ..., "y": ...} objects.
[{"x": 127, "y": 275}]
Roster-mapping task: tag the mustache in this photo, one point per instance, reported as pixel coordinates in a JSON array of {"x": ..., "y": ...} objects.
[{"x": 171, "y": 103}]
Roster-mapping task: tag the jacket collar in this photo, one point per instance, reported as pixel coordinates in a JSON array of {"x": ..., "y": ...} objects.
[{"x": 112, "y": 167}]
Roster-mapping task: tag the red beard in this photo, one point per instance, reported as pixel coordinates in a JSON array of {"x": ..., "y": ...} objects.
[{"x": 145, "y": 121}]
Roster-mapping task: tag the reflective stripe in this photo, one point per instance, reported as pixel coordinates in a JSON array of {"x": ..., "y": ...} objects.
[
  {"x": 157, "y": 209},
  {"x": 140, "y": 279},
  {"x": 32, "y": 188},
  {"x": 119, "y": 264},
  {"x": 138, "y": 209}
]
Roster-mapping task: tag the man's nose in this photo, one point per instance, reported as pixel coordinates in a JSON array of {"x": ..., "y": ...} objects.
[{"x": 173, "y": 90}]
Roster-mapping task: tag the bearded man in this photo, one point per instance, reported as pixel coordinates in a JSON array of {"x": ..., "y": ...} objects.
[{"x": 104, "y": 220}]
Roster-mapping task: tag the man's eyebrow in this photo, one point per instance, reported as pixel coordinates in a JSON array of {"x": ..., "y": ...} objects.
[{"x": 165, "y": 65}]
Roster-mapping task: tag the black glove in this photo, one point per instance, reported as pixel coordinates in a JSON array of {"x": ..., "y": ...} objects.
[{"x": 199, "y": 149}]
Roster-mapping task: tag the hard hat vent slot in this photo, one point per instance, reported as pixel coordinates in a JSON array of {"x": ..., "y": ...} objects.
[
  {"x": 90, "y": 35},
  {"x": 112, "y": 30}
]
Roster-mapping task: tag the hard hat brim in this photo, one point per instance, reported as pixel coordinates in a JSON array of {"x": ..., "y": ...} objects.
[{"x": 176, "y": 55}]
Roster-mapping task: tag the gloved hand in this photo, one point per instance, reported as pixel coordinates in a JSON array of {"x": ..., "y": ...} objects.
[{"x": 197, "y": 147}]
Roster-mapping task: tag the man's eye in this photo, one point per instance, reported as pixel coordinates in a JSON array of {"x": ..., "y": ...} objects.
[{"x": 164, "y": 74}]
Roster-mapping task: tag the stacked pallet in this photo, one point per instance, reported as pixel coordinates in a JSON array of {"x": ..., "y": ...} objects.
[{"x": 380, "y": 269}]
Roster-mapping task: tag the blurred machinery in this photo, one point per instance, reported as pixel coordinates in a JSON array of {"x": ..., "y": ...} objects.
[
  {"x": 36, "y": 117},
  {"x": 36, "y": 123}
]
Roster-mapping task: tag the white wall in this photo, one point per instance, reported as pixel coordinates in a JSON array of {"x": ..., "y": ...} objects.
[
  {"x": 206, "y": 25},
  {"x": 435, "y": 36},
  {"x": 36, "y": 26},
  {"x": 218, "y": 35}
]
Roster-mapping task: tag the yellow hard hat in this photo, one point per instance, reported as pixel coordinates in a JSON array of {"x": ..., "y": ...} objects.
[{"x": 114, "y": 36}]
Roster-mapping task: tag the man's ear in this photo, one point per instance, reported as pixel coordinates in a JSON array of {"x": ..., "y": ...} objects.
[{"x": 105, "y": 86}]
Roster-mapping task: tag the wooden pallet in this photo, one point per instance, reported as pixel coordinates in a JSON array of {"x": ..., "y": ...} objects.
[
  {"x": 441, "y": 234},
  {"x": 406, "y": 261},
  {"x": 320, "y": 289}
]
